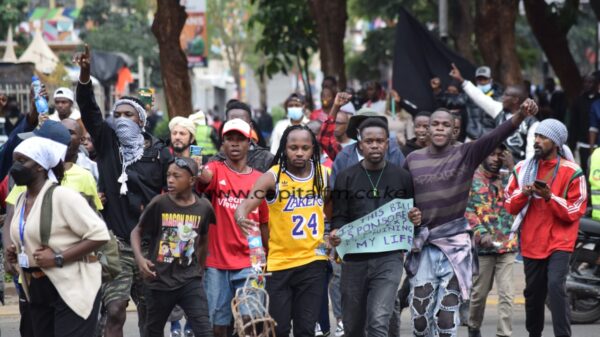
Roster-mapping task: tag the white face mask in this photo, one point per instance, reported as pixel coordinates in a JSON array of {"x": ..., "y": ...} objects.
[{"x": 295, "y": 113}]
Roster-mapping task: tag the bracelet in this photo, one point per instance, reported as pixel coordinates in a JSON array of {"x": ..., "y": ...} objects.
[{"x": 239, "y": 219}]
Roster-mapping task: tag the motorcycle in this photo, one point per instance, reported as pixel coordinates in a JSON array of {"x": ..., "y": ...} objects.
[{"x": 583, "y": 280}]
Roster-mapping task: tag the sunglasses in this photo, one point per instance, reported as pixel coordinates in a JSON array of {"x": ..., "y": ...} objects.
[{"x": 182, "y": 164}]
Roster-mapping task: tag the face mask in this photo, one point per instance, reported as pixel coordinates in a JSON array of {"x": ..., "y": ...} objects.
[
  {"x": 295, "y": 113},
  {"x": 485, "y": 87},
  {"x": 21, "y": 174}
]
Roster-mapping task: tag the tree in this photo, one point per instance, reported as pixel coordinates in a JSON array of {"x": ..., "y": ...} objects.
[
  {"x": 495, "y": 33},
  {"x": 108, "y": 36},
  {"x": 550, "y": 24},
  {"x": 168, "y": 23},
  {"x": 287, "y": 39},
  {"x": 13, "y": 12},
  {"x": 330, "y": 17},
  {"x": 462, "y": 27},
  {"x": 229, "y": 20}
]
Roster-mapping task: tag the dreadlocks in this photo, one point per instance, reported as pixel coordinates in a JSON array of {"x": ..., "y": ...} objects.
[{"x": 281, "y": 158}]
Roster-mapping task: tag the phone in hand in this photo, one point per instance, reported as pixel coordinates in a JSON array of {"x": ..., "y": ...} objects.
[
  {"x": 540, "y": 184},
  {"x": 196, "y": 154}
]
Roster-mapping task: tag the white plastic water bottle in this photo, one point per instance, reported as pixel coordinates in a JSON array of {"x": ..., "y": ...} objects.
[
  {"x": 257, "y": 252},
  {"x": 41, "y": 104}
]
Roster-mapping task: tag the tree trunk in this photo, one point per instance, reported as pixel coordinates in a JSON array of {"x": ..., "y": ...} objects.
[
  {"x": 169, "y": 20},
  {"x": 462, "y": 27},
  {"x": 330, "y": 17},
  {"x": 495, "y": 21},
  {"x": 550, "y": 31},
  {"x": 262, "y": 90}
]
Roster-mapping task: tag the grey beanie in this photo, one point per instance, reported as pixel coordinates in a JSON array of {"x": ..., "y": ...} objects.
[{"x": 554, "y": 130}]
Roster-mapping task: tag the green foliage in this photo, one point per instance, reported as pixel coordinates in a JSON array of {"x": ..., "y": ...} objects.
[
  {"x": 161, "y": 131},
  {"x": 424, "y": 10},
  {"x": 379, "y": 50},
  {"x": 289, "y": 34},
  {"x": 97, "y": 11},
  {"x": 129, "y": 34},
  {"x": 277, "y": 113},
  {"x": 12, "y": 12}
]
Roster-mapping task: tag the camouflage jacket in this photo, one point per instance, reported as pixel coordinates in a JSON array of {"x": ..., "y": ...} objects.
[{"x": 486, "y": 213}]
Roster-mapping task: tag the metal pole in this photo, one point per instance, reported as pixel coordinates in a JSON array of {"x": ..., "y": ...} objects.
[
  {"x": 443, "y": 19},
  {"x": 142, "y": 82}
]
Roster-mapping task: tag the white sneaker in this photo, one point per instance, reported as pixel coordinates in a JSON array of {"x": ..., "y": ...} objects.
[
  {"x": 339, "y": 329},
  {"x": 318, "y": 332}
]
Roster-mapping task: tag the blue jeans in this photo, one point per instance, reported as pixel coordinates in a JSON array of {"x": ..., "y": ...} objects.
[
  {"x": 434, "y": 296},
  {"x": 220, "y": 286},
  {"x": 369, "y": 290},
  {"x": 334, "y": 290}
]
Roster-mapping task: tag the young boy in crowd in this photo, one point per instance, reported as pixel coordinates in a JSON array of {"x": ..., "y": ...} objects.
[{"x": 176, "y": 224}]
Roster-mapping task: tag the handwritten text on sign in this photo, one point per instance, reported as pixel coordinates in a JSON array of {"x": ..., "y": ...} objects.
[{"x": 385, "y": 229}]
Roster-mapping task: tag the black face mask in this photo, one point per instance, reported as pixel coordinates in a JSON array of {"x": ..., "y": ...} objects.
[{"x": 21, "y": 174}]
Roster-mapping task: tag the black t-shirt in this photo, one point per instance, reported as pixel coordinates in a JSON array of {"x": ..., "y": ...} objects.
[
  {"x": 353, "y": 195},
  {"x": 174, "y": 232}
]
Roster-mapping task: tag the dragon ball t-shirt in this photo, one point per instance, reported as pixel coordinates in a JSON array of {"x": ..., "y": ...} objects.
[{"x": 175, "y": 232}]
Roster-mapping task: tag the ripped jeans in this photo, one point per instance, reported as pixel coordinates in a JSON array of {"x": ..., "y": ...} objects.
[{"x": 434, "y": 296}]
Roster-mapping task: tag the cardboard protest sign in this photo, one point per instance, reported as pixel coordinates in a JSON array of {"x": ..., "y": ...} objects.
[{"x": 385, "y": 229}]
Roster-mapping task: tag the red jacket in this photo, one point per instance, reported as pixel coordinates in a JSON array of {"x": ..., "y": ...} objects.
[{"x": 551, "y": 225}]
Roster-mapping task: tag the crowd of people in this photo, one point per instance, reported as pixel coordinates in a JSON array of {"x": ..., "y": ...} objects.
[{"x": 489, "y": 177}]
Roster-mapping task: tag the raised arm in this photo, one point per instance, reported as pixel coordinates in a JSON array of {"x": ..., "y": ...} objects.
[
  {"x": 485, "y": 102},
  {"x": 91, "y": 115}
]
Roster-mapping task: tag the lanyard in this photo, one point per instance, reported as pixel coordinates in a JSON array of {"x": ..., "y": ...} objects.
[{"x": 22, "y": 223}]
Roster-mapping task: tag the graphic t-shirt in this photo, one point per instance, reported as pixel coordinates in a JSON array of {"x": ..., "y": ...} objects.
[
  {"x": 228, "y": 246},
  {"x": 174, "y": 233}
]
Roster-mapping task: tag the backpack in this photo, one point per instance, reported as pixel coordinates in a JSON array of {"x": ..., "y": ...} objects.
[{"x": 108, "y": 254}]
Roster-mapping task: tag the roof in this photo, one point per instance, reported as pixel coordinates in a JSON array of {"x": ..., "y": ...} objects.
[{"x": 67, "y": 13}]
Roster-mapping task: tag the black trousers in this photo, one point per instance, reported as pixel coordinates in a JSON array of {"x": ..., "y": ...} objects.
[
  {"x": 295, "y": 295},
  {"x": 547, "y": 278},
  {"x": 51, "y": 316},
  {"x": 190, "y": 297}
]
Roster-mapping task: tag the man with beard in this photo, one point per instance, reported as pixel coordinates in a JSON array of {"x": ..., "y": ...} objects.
[
  {"x": 421, "y": 139},
  {"x": 441, "y": 264},
  {"x": 520, "y": 143},
  {"x": 369, "y": 281},
  {"x": 548, "y": 194},
  {"x": 491, "y": 225},
  {"x": 133, "y": 168},
  {"x": 182, "y": 136}
]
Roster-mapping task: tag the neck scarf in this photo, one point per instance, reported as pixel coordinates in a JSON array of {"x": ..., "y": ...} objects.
[
  {"x": 555, "y": 131},
  {"x": 131, "y": 140},
  {"x": 46, "y": 152}
]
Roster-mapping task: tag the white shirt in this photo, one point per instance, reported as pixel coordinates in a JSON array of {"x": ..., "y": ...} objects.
[
  {"x": 494, "y": 108},
  {"x": 75, "y": 114},
  {"x": 278, "y": 131}
]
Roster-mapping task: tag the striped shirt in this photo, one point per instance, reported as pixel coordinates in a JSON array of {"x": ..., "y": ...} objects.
[{"x": 442, "y": 181}]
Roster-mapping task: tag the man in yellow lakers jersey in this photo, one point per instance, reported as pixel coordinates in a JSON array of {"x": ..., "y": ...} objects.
[{"x": 295, "y": 190}]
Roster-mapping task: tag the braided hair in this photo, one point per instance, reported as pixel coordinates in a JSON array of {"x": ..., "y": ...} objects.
[{"x": 281, "y": 158}]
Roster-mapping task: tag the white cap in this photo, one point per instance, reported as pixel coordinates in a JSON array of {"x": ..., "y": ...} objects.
[
  {"x": 238, "y": 125},
  {"x": 64, "y": 93}
]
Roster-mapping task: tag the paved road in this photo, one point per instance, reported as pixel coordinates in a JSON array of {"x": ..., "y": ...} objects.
[
  {"x": 9, "y": 325},
  {"x": 9, "y": 319}
]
